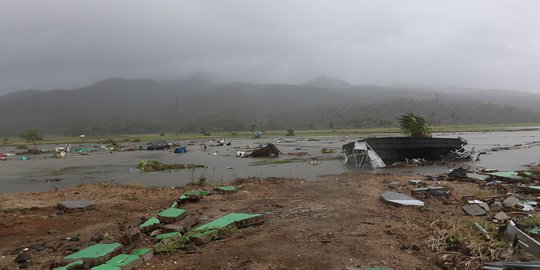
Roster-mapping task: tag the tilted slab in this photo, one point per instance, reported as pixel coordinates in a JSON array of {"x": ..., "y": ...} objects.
[
  {"x": 400, "y": 199},
  {"x": 150, "y": 225},
  {"x": 105, "y": 267},
  {"x": 125, "y": 261},
  {"x": 96, "y": 254},
  {"x": 226, "y": 189},
  {"x": 146, "y": 254},
  {"x": 166, "y": 235},
  {"x": 171, "y": 215},
  {"x": 76, "y": 265},
  {"x": 233, "y": 220}
]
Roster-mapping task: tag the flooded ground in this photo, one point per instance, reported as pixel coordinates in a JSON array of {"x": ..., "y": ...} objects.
[{"x": 508, "y": 150}]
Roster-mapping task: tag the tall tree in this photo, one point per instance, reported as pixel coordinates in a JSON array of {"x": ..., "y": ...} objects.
[
  {"x": 32, "y": 135},
  {"x": 414, "y": 125}
]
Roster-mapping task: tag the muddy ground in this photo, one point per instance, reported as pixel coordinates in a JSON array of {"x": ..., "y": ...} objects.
[{"x": 335, "y": 223}]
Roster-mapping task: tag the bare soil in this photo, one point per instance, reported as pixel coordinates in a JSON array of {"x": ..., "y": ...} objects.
[{"x": 334, "y": 223}]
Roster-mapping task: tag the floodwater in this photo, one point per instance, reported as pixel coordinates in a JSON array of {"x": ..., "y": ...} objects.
[{"x": 222, "y": 165}]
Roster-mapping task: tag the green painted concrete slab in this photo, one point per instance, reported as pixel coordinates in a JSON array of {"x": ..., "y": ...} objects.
[
  {"x": 106, "y": 267},
  {"x": 196, "y": 193},
  {"x": 166, "y": 235},
  {"x": 93, "y": 252},
  {"x": 511, "y": 175},
  {"x": 172, "y": 212},
  {"x": 122, "y": 260},
  {"x": 141, "y": 251},
  {"x": 76, "y": 264},
  {"x": 150, "y": 222},
  {"x": 226, "y": 220},
  {"x": 226, "y": 188},
  {"x": 535, "y": 231}
]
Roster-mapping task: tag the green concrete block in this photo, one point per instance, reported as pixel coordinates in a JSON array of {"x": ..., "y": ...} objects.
[
  {"x": 196, "y": 193},
  {"x": 125, "y": 261},
  {"x": 150, "y": 224},
  {"x": 78, "y": 264},
  {"x": 226, "y": 188},
  {"x": 171, "y": 215},
  {"x": 105, "y": 267},
  {"x": 171, "y": 212},
  {"x": 96, "y": 253},
  {"x": 512, "y": 175},
  {"x": 166, "y": 235},
  {"x": 145, "y": 253},
  {"x": 226, "y": 221}
]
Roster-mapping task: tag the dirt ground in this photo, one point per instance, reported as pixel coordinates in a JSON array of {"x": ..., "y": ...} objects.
[{"x": 336, "y": 223}]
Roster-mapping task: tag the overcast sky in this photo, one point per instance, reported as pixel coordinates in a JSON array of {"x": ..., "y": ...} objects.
[{"x": 69, "y": 43}]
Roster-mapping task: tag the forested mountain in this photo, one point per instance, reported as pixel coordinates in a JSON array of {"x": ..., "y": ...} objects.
[{"x": 116, "y": 106}]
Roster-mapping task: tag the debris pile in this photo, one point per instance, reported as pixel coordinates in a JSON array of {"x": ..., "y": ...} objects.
[{"x": 172, "y": 229}]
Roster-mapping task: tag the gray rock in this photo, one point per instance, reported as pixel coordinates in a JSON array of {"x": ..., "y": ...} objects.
[{"x": 474, "y": 210}]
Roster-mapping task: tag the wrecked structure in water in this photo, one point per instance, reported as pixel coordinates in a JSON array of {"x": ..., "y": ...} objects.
[
  {"x": 377, "y": 152},
  {"x": 266, "y": 151}
]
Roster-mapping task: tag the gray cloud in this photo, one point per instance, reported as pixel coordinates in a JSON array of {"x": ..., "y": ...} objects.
[{"x": 66, "y": 43}]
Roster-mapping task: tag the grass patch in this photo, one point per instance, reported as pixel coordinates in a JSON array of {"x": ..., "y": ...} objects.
[
  {"x": 155, "y": 165},
  {"x": 461, "y": 236}
]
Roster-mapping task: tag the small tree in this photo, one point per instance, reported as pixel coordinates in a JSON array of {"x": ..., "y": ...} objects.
[
  {"x": 290, "y": 132},
  {"x": 32, "y": 136},
  {"x": 414, "y": 125}
]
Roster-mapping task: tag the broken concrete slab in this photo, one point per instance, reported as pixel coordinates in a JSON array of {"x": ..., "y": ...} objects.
[
  {"x": 511, "y": 202},
  {"x": 438, "y": 191},
  {"x": 183, "y": 225},
  {"x": 415, "y": 182},
  {"x": 400, "y": 199},
  {"x": 474, "y": 210},
  {"x": 125, "y": 261},
  {"x": 192, "y": 196},
  {"x": 420, "y": 191},
  {"x": 225, "y": 189},
  {"x": 501, "y": 216},
  {"x": 394, "y": 185},
  {"x": 237, "y": 219},
  {"x": 171, "y": 215},
  {"x": 150, "y": 225},
  {"x": 130, "y": 236},
  {"x": 512, "y": 175},
  {"x": 167, "y": 235},
  {"x": 105, "y": 267},
  {"x": 146, "y": 254},
  {"x": 75, "y": 205},
  {"x": 95, "y": 254},
  {"x": 76, "y": 265},
  {"x": 212, "y": 229}
]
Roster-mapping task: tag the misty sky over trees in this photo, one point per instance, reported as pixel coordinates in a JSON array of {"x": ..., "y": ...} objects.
[{"x": 67, "y": 44}]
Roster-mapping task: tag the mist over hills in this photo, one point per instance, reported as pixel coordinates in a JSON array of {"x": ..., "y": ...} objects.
[{"x": 121, "y": 106}]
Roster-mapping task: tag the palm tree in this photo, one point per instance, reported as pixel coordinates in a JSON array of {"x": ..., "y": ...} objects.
[{"x": 414, "y": 125}]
